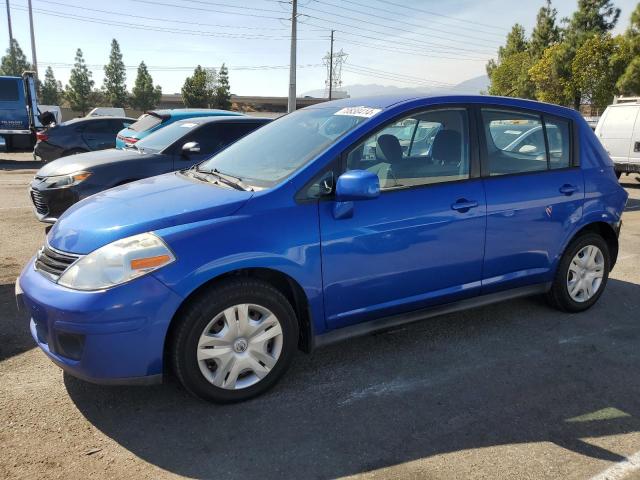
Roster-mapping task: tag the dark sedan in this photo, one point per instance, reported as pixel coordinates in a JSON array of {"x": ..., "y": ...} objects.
[
  {"x": 178, "y": 146},
  {"x": 79, "y": 135}
]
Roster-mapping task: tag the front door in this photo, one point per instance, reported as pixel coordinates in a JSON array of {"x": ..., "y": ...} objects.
[{"x": 421, "y": 242}]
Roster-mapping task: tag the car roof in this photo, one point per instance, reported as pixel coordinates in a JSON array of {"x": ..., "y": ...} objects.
[
  {"x": 225, "y": 119},
  {"x": 387, "y": 101},
  {"x": 185, "y": 112}
]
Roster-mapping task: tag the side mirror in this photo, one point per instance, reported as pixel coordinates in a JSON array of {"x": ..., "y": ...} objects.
[
  {"x": 357, "y": 185},
  {"x": 190, "y": 147}
]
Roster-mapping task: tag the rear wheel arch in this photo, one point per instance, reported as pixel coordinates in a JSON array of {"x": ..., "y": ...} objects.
[
  {"x": 282, "y": 282},
  {"x": 606, "y": 231}
]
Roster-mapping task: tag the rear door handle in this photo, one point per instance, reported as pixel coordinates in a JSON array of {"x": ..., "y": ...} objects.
[
  {"x": 463, "y": 205},
  {"x": 636, "y": 147},
  {"x": 567, "y": 189}
]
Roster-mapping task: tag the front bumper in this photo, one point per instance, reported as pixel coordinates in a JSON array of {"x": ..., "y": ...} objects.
[
  {"x": 114, "y": 336},
  {"x": 49, "y": 204}
]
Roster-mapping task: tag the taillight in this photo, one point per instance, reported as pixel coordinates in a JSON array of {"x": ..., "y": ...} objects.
[
  {"x": 41, "y": 136},
  {"x": 130, "y": 140}
]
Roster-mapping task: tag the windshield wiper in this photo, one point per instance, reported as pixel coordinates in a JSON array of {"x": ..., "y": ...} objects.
[
  {"x": 235, "y": 182},
  {"x": 207, "y": 175}
]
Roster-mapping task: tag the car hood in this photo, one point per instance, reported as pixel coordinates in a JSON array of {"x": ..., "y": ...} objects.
[
  {"x": 143, "y": 206},
  {"x": 87, "y": 161}
]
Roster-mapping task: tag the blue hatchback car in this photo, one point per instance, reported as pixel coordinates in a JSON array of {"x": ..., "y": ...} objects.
[
  {"x": 156, "y": 119},
  {"x": 334, "y": 221}
]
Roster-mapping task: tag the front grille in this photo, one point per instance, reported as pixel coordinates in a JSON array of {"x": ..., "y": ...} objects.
[
  {"x": 38, "y": 201},
  {"x": 52, "y": 263}
]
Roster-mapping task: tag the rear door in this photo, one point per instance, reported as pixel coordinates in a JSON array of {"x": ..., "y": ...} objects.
[
  {"x": 616, "y": 132},
  {"x": 534, "y": 190},
  {"x": 99, "y": 134}
]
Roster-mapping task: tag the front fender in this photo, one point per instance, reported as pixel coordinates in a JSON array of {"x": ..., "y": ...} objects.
[{"x": 286, "y": 240}]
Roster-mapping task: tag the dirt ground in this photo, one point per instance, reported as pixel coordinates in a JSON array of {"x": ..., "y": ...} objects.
[{"x": 515, "y": 390}]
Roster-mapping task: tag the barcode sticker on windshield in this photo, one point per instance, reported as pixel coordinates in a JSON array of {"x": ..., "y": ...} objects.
[
  {"x": 188, "y": 125},
  {"x": 365, "y": 112}
]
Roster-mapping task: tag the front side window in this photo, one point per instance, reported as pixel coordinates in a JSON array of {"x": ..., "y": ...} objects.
[
  {"x": 274, "y": 152},
  {"x": 423, "y": 148}
]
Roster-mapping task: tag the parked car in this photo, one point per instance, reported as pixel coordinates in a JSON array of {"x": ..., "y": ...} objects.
[
  {"x": 619, "y": 131},
  {"x": 79, "y": 135},
  {"x": 293, "y": 237},
  {"x": 60, "y": 184},
  {"x": 107, "y": 112},
  {"x": 157, "y": 119}
]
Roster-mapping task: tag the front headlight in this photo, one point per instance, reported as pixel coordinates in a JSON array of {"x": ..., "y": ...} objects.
[
  {"x": 117, "y": 263},
  {"x": 60, "y": 181}
]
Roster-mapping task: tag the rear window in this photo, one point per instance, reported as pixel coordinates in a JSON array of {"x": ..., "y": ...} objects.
[
  {"x": 145, "y": 122},
  {"x": 9, "y": 90}
]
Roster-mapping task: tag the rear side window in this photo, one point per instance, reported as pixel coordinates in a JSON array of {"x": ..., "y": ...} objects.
[
  {"x": 9, "y": 90},
  {"x": 522, "y": 142},
  {"x": 98, "y": 126},
  {"x": 145, "y": 122},
  {"x": 559, "y": 137}
]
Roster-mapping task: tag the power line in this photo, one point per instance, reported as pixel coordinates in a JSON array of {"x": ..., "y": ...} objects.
[
  {"x": 202, "y": 9},
  {"x": 395, "y": 29},
  {"x": 401, "y": 22},
  {"x": 474, "y": 28},
  {"x": 411, "y": 52},
  {"x": 154, "y": 28},
  {"x": 188, "y": 68},
  {"x": 450, "y": 17},
  {"x": 400, "y": 75}
]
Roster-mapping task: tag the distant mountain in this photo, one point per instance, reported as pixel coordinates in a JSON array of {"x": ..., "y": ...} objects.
[{"x": 472, "y": 86}]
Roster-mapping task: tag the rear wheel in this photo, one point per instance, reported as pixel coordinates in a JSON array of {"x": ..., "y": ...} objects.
[
  {"x": 582, "y": 274},
  {"x": 234, "y": 341},
  {"x": 618, "y": 174}
]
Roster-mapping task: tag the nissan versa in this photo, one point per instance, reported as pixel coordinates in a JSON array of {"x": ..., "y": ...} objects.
[{"x": 320, "y": 226}]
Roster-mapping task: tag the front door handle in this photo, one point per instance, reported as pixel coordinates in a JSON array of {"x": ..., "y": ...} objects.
[
  {"x": 464, "y": 205},
  {"x": 567, "y": 189}
]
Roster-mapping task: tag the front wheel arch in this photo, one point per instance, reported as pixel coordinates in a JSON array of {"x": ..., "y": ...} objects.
[{"x": 282, "y": 282}]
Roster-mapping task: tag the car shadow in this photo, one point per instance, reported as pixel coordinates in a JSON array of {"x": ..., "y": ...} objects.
[
  {"x": 516, "y": 372},
  {"x": 20, "y": 164},
  {"x": 14, "y": 334}
]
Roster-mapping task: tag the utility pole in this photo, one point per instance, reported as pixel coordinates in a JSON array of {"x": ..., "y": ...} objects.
[
  {"x": 10, "y": 31},
  {"x": 292, "y": 61},
  {"x": 34, "y": 60},
  {"x": 330, "y": 66}
]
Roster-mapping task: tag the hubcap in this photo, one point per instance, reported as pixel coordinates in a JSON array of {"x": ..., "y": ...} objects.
[
  {"x": 585, "y": 274},
  {"x": 239, "y": 346}
]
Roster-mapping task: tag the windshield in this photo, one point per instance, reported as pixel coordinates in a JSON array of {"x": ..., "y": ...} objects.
[
  {"x": 166, "y": 136},
  {"x": 272, "y": 153},
  {"x": 145, "y": 122}
]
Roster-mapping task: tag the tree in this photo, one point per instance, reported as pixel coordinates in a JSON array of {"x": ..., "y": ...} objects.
[
  {"x": 14, "y": 63},
  {"x": 223, "y": 90},
  {"x": 79, "y": 90},
  {"x": 115, "y": 77},
  {"x": 197, "y": 91},
  {"x": 597, "y": 65},
  {"x": 51, "y": 93},
  {"x": 144, "y": 95},
  {"x": 547, "y": 78},
  {"x": 546, "y": 31},
  {"x": 511, "y": 77},
  {"x": 629, "y": 81}
]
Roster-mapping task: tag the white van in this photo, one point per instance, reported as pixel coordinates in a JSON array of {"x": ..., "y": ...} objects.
[
  {"x": 107, "y": 112},
  {"x": 619, "y": 131}
]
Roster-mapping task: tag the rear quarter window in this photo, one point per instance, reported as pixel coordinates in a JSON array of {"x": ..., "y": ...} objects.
[{"x": 145, "y": 122}]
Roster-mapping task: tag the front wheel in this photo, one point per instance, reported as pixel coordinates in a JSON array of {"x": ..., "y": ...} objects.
[
  {"x": 582, "y": 274},
  {"x": 234, "y": 341}
]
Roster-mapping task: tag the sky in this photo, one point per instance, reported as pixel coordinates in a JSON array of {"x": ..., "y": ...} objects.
[{"x": 422, "y": 43}]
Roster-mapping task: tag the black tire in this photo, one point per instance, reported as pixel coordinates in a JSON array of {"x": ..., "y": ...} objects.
[
  {"x": 559, "y": 296},
  {"x": 618, "y": 175},
  {"x": 195, "y": 317}
]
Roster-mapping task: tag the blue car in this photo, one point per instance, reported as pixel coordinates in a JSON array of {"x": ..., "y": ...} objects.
[
  {"x": 320, "y": 226},
  {"x": 156, "y": 119}
]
